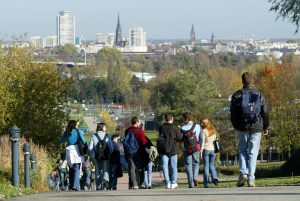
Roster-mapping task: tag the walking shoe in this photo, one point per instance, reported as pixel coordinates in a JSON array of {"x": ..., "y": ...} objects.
[
  {"x": 173, "y": 186},
  {"x": 242, "y": 179},
  {"x": 251, "y": 183},
  {"x": 216, "y": 182},
  {"x": 195, "y": 183},
  {"x": 168, "y": 186},
  {"x": 135, "y": 188}
]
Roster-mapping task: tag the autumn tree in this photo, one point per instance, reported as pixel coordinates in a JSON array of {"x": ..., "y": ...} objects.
[
  {"x": 277, "y": 82},
  {"x": 189, "y": 89},
  {"x": 30, "y": 97},
  {"x": 118, "y": 78}
]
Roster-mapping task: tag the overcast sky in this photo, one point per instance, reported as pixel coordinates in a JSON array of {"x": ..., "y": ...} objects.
[{"x": 161, "y": 19}]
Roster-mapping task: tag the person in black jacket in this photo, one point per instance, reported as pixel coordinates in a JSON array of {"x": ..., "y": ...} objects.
[
  {"x": 168, "y": 150},
  {"x": 250, "y": 118},
  {"x": 114, "y": 162}
]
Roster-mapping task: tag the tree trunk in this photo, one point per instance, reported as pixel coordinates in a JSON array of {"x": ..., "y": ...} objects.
[{"x": 261, "y": 156}]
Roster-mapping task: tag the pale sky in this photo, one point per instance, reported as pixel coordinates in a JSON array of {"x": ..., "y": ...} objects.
[{"x": 161, "y": 19}]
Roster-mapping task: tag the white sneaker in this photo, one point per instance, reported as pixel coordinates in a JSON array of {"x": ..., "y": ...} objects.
[
  {"x": 174, "y": 185},
  {"x": 168, "y": 186}
]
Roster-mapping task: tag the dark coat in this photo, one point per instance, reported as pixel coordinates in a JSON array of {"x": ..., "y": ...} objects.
[{"x": 236, "y": 113}]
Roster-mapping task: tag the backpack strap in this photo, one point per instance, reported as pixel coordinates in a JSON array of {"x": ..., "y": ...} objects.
[
  {"x": 97, "y": 136},
  {"x": 193, "y": 127},
  {"x": 78, "y": 136}
]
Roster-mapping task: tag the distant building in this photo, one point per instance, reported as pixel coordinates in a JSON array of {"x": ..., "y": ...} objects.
[
  {"x": 192, "y": 36},
  {"x": 38, "y": 42},
  {"x": 212, "y": 38},
  {"x": 119, "y": 39},
  {"x": 50, "y": 41},
  {"x": 65, "y": 28},
  {"x": 143, "y": 76},
  {"x": 77, "y": 41},
  {"x": 105, "y": 39},
  {"x": 137, "y": 40}
]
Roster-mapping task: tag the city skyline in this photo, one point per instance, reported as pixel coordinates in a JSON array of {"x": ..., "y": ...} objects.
[{"x": 170, "y": 19}]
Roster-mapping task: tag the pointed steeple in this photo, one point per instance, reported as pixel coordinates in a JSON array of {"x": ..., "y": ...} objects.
[
  {"x": 192, "y": 35},
  {"x": 212, "y": 39},
  {"x": 118, "y": 39}
]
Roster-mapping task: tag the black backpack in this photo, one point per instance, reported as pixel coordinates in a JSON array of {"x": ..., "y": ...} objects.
[
  {"x": 102, "y": 148},
  {"x": 164, "y": 143},
  {"x": 250, "y": 107}
]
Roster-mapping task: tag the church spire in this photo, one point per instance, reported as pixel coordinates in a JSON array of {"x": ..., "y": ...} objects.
[
  {"x": 212, "y": 39},
  {"x": 192, "y": 35},
  {"x": 118, "y": 39}
]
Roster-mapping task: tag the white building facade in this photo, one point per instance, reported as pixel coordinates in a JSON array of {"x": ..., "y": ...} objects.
[
  {"x": 39, "y": 42},
  {"x": 105, "y": 39},
  {"x": 65, "y": 28},
  {"x": 137, "y": 40}
]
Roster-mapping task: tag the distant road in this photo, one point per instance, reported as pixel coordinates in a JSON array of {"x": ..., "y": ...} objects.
[
  {"x": 286, "y": 193},
  {"x": 91, "y": 123}
]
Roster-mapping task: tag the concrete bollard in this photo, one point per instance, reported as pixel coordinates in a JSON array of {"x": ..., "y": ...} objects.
[
  {"x": 26, "y": 150},
  {"x": 14, "y": 138},
  {"x": 33, "y": 164}
]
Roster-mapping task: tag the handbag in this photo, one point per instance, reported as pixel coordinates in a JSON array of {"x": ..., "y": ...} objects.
[
  {"x": 217, "y": 146},
  {"x": 83, "y": 148}
]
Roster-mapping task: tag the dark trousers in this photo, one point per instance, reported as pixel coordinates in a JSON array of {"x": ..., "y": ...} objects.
[{"x": 135, "y": 173}]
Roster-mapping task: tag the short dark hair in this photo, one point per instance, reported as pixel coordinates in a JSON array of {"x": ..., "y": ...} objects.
[
  {"x": 187, "y": 116},
  {"x": 168, "y": 117},
  {"x": 134, "y": 120},
  {"x": 100, "y": 126},
  {"x": 114, "y": 136},
  {"x": 247, "y": 78}
]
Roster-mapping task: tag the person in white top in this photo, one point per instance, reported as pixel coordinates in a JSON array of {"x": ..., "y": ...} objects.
[{"x": 208, "y": 152}]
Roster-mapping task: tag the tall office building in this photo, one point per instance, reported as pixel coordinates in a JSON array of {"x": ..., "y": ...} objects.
[
  {"x": 137, "y": 39},
  {"x": 65, "y": 28}
]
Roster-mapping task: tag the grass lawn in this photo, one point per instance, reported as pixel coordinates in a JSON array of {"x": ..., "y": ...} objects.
[
  {"x": 152, "y": 135},
  {"x": 7, "y": 190}
]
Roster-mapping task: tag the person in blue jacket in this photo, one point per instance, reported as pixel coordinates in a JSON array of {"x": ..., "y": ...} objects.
[{"x": 72, "y": 135}]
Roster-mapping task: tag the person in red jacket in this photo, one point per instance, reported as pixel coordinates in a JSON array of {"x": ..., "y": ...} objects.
[{"x": 139, "y": 161}]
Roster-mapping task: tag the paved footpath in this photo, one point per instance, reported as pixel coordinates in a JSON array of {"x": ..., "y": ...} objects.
[{"x": 287, "y": 193}]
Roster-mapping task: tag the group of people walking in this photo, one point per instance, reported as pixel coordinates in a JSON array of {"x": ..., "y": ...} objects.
[{"x": 248, "y": 116}]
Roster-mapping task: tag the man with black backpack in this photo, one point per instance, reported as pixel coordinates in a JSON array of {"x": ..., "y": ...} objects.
[
  {"x": 100, "y": 148},
  {"x": 135, "y": 144},
  {"x": 192, "y": 139},
  {"x": 249, "y": 117},
  {"x": 167, "y": 147}
]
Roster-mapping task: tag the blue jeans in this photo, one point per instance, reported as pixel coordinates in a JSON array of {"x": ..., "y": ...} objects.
[
  {"x": 248, "y": 150},
  {"x": 101, "y": 172},
  {"x": 148, "y": 175},
  {"x": 169, "y": 171},
  {"x": 86, "y": 177},
  {"x": 74, "y": 179},
  {"x": 209, "y": 167},
  {"x": 63, "y": 175},
  {"x": 191, "y": 163},
  {"x": 113, "y": 179}
]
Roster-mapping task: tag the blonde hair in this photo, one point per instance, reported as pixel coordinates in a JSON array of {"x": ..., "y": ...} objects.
[{"x": 205, "y": 123}]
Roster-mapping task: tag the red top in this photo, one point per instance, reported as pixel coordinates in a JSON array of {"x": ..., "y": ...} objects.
[{"x": 140, "y": 137}]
